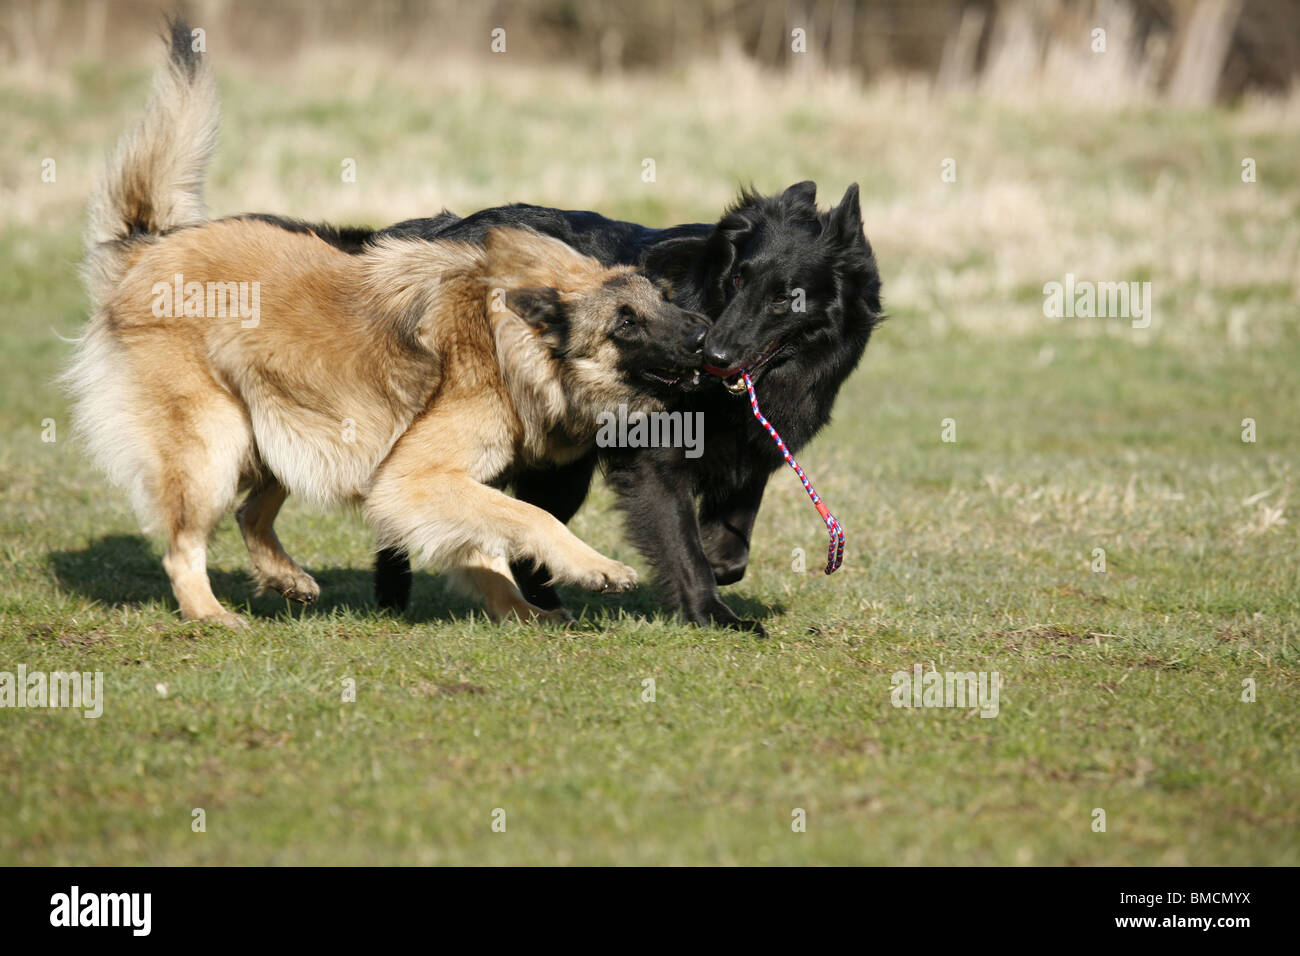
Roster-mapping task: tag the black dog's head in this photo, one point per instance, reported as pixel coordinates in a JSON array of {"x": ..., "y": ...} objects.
[{"x": 779, "y": 275}]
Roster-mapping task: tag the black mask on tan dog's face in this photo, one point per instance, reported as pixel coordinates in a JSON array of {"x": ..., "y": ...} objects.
[{"x": 627, "y": 324}]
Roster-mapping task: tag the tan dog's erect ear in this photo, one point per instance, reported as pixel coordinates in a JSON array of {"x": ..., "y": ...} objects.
[
  {"x": 538, "y": 307},
  {"x": 543, "y": 310}
]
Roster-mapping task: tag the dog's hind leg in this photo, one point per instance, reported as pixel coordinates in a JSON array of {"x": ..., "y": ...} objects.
[
  {"x": 186, "y": 565},
  {"x": 194, "y": 490},
  {"x": 490, "y": 578},
  {"x": 272, "y": 566},
  {"x": 200, "y": 442}
]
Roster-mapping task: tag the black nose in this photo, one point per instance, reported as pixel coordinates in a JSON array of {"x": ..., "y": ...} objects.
[{"x": 719, "y": 356}]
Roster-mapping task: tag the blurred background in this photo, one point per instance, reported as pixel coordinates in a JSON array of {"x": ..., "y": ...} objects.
[
  {"x": 998, "y": 142},
  {"x": 1193, "y": 51}
]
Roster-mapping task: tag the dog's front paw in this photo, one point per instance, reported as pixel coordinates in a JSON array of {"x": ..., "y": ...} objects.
[
  {"x": 718, "y": 614},
  {"x": 610, "y": 577},
  {"x": 560, "y": 616},
  {"x": 735, "y": 623},
  {"x": 622, "y": 579}
]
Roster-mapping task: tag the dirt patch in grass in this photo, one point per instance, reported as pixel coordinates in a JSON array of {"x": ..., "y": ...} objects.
[
  {"x": 1158, "y": 664},
  {"x": 1048, "y": 635},
  {"x": 429, "y": 689},
  {"x": 837, "y": 747},
  {"x": 1070, "y": 590},
  {"x": 46, "y": 634},
  {"x": 261, "y": 737},
  {"x": 1242, "y": 631}
]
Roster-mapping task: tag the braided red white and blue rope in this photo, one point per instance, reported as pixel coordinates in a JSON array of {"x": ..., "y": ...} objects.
[{"x": 835, "y": 550}]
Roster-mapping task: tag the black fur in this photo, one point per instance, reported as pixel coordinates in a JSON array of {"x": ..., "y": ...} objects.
[
  {"x": 180, "y": 41},
  {"x": 349, "y": 239},
  {"x": 750, "y": 272}
]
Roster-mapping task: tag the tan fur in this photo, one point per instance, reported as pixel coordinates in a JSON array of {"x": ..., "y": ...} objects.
[
  {"x": 393, "y": 377},
  {"x": 384, "y": 377},
  {"x": 154, "y": 181}
]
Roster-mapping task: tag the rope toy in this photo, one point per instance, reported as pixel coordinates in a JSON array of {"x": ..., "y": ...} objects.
[{"x": 835, "y": 550}]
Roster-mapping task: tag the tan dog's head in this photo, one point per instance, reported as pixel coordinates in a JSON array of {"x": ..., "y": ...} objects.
[{"x": 614, "y": 335}]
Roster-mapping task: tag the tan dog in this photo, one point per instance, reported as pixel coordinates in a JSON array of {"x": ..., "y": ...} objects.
[{"x": 239, "y": 354}]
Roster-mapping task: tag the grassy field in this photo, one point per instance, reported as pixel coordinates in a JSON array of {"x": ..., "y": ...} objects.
[{"x": 1121, "y": 690}]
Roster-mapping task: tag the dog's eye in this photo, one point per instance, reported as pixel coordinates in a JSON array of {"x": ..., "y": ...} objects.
[
  {"x": 780, "y": 299},
  {"x": 626, "y": 317},
  {"x": 735, "y": 280}
]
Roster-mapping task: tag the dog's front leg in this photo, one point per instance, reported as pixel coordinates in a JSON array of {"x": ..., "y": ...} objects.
[
  {"x": 489, "y": 577},
  {"x": 445, "y": 517},
  {"x": 662, "y": 523},
  {"x": 726, "y": 523},
  {"x": 559, "y": 491}
]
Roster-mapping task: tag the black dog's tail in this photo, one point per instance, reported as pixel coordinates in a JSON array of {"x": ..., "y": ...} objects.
[{"x": 154, "y": 180}]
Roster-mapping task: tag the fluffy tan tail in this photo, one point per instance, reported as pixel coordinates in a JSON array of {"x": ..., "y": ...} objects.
[{"x": 154, "y": 181}]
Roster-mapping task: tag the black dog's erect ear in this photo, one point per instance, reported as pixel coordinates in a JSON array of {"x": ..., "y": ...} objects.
[
  {"x": 714, "y": 263},
  {"x": 540, "y": 308},
  {"x": 804, "y": 193},
  {"x": 674, "y": 258},
  {"x": 844, "y": 222}
]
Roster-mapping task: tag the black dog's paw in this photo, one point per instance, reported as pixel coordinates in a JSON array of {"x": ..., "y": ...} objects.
[
  {"x": 742, "y": 624},
  {"x": 719, "y": 615}
]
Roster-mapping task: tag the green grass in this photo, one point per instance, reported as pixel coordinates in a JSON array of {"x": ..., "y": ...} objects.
[{"x": 1121, "y": 690}]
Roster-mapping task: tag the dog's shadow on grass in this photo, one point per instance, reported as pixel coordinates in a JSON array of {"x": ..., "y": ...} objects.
[
  {"x": 123, "y": 570},
  {"x": 645, "y": 603}
]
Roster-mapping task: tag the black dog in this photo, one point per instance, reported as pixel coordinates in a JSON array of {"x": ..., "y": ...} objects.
[{"x": 793, "y": 293}]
